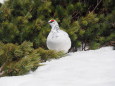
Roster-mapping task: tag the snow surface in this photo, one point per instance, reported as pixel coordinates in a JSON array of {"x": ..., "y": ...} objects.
[
  {"x": 83, "y": 68},
  {"x": 1, "y": 1}
]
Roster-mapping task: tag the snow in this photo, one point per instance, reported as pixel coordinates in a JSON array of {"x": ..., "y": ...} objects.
[
  {"x": 82, "y": 68},
  {"x": 1, "y": 1}
]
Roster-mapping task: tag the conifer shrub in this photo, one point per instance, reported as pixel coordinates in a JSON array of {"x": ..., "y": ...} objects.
[
  {"x": 49, "y": 54},
  {"x": 85, "y": 23},
  {"x": 94, "y": 45},
  {"x": 20, "y": 59}
]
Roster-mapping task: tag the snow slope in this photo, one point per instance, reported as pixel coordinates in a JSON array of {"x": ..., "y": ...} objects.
[{"x": 83, "y": 68}]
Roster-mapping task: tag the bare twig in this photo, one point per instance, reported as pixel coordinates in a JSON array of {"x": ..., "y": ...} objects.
[
  {"x": 75, "y": 14},
  {"x": 1, "y": 69},
  {"x": 97, "y": 5},
  {"x": 2, "y": 66},
  {"x": 1, "y": 73}
]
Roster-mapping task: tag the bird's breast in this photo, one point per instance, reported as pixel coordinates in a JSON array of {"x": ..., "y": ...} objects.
[{"x": 58, "y": 41}]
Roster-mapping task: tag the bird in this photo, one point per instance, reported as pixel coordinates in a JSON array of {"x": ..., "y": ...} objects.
[{"x": 58, "y": 39}]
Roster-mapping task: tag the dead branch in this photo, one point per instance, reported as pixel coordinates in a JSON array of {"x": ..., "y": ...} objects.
[
  {"x": 1, "y": 69},
  {"x": 1, "y": 73},
  {"x": 97, "y": 5}
]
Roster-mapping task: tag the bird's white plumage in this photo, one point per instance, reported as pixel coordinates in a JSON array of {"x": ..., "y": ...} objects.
[{"x": 58, "y": 39}]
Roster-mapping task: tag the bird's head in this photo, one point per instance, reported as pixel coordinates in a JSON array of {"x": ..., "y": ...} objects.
[{"x": 53, "y": 23}]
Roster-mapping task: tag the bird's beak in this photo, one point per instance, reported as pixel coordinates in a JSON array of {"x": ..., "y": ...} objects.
[{"x": 49, "y": 21}]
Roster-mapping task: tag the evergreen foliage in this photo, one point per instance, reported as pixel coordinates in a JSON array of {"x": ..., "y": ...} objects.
[
  {"x": 20, "y": 59},
  {"x": 88, "y": 23}
]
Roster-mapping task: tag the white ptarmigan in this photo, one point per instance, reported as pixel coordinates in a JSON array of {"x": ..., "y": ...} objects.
[{"x": 58, "y": 39}]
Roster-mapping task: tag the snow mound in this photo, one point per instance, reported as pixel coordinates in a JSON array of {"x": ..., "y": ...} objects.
[{"x": 83, "y": 68}]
